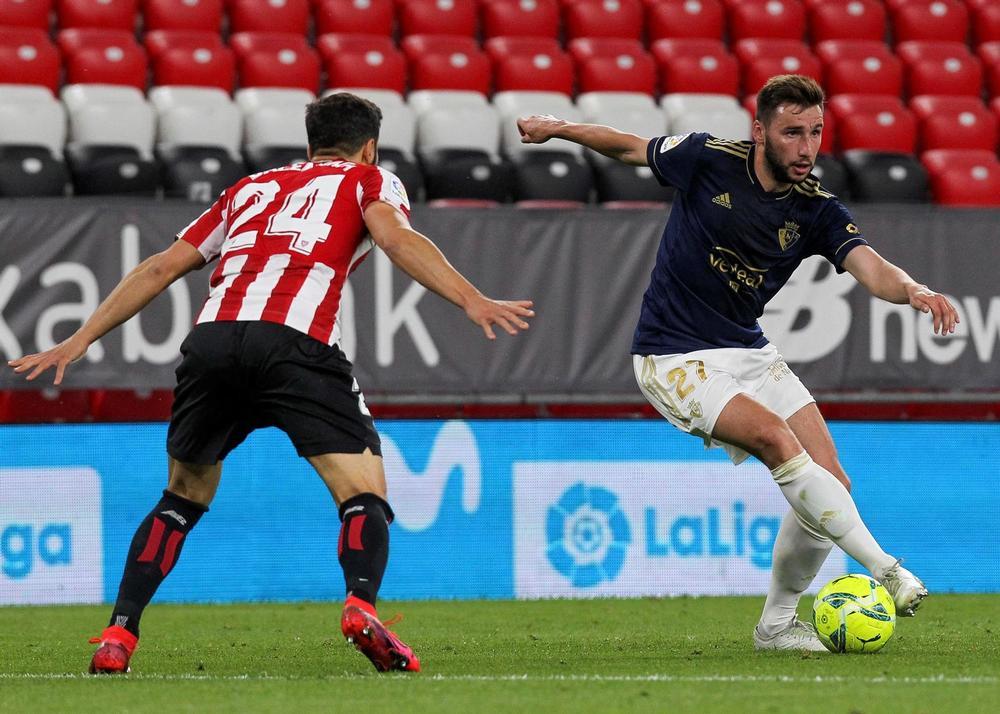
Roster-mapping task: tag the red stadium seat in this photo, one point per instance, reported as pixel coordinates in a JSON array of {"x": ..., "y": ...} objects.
[
  {"x": 989, "y": 54},
  {"x": 362, "y": 17},
  {"x": 27, "y": 56},
  {"x": 603, "y": 18},
  {"x": 290, "y": 65},
  {"x": 111, "y": 405},
  {"x": 762, "y": 59},
  {"x": 847, "y": 20},
  {"x": 159, "y": 41},
  {"x": 995, "y": 106},
  {"x": 198, "y": 67},
  {"x": 438, "y": 17},
  {"x": 695, "y": 66},
  {"x": 940, "y": 68},
  {"x": 985, "y": 21},
  {"x": 612, "y": 65},
  {"x": 683, "y": 18},
  {"x": 859, "y": 67},
  {"x": 520, "y": 18},
  {"x": 269, "y": 16},
  {"x": 35, "y": 406},
  {"x": 954, "y": 123},
  {"x": 243, "y": 43},
  {"x": 783, "y": 19},
  {"x": 362, "y": 61},
  {"x": 530, "y": 63},
  {"x": 829, "y": 123},
  {"x": 963, "y": 178},
  {"x": 182, "y": 15},
  {"x": 95, "y": 56},
  {"x": 104, "y": 14},
  {"x": 940, "y": 20},
  {"x": 874, "y": 123},
  {"x": 25, "y": 13},
  {"x": 447, "y": 62}
]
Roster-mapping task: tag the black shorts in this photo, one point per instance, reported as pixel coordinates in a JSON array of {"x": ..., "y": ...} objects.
[{"x": 239, "y": 376}]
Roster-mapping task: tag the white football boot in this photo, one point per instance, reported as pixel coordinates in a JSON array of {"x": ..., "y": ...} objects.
[
  {"x": 906, "y": 589},
  {"x": 798, "y": 635}
]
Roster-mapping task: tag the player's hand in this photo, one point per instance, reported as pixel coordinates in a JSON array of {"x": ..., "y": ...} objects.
[
  {"x": 508, "y": 314},
  {"x": 538, "y": 128},
  {"x": 59, "y": 357},
  {"x": 926, "y": 300}
]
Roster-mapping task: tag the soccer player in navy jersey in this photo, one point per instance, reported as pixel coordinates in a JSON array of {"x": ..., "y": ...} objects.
[
  {"x": 265, "y": 352},
  {"x": 744, "y": 216}
]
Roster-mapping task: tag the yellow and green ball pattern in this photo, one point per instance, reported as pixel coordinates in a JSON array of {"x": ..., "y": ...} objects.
[{"x": 854, "y": 613}]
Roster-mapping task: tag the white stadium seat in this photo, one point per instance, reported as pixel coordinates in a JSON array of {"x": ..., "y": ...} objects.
[
  {"x": 197, "y": 116},
  {"x": 109, "y": 115},
  {"x": 30, "y": 115},
  {"x": 513, "y": 104},
  {"x": 718, "y": 114}
]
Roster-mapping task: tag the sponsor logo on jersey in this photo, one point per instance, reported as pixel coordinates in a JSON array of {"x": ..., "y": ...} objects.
[
  {"x": 723, "y": 200},
  {"x": 671, "y": 142},
  {"x": 788, "y": 235},
  {"x": 735, "y": 270}
]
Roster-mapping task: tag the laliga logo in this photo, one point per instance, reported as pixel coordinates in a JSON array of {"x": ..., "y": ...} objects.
[
  {"x": 416, "y": 497},
  {"x": 587, "y": 535}
]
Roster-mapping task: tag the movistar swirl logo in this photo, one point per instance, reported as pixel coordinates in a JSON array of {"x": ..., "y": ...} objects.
[{"x": 587, "y": 534}]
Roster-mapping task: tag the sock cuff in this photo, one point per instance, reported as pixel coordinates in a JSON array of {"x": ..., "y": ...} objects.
[
  {"x": 791, "y": 469},
  {"x": 365, "y": 502},
  {"x": 184, "y": 502}
]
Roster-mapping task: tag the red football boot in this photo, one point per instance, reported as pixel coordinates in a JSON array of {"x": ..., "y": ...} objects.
[
  {"x": 374, "y": 640},
  {"x": 117, "y": 646}
]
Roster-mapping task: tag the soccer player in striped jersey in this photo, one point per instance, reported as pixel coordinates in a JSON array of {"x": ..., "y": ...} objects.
[
  {"x": 265, "y": 352},
  {"x": 745, "y": 215}
]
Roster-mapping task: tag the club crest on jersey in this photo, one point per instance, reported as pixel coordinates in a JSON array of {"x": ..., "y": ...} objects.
[
  {"x": 788, "y": 235},
  {"x": 671, "y": 142}
]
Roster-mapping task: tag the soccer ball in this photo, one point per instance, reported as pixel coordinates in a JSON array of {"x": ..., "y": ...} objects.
[{"x": 854, "y": 613}]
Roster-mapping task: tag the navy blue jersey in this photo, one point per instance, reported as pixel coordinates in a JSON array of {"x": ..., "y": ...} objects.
[{"x": 729, "y": 245}]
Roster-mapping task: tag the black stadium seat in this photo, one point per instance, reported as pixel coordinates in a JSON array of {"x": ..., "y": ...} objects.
[
  {"x": 621, "y": 182},
  {"x": 261, "y": 158},
  {"x": 198, "y": 173},
  {"x": 466, "y": 173},
  {"x": 27, "y": 171},
  {"x": 552, "y": 176},
  {"x": 832, "y": 175},
  {"x": 405, "y": 168},
  {"x": 100, "y": 169},
  {"x": 885, "y": 177}
]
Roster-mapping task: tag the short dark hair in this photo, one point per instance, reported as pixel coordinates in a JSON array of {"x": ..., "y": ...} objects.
[
  {"x": 341, "y": 123},
  {"x": 793, "y": 89}
]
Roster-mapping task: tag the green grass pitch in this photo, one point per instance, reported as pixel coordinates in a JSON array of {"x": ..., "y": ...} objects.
[{"x": 676, "y": 655}]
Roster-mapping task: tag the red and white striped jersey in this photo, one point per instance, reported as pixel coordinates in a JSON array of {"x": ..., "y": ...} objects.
[{"x": 287, "y": 239}]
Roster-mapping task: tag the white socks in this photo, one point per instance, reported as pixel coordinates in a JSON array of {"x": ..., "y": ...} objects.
[
  {"x": 799, "y": 553},
  {"x": 826, "y": 506}
]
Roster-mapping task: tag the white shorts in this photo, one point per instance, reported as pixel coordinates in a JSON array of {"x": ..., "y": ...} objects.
[{"x": 691, "y": 389}]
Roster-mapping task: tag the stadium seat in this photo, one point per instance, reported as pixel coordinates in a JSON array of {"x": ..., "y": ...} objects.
[
  {"x": 128, "y": 405},
  {"x": 103, "y": 14},
  {"x": 612, "y": 65},
  {"x": 873, "y": 122},
  {"x": 995, "y": 106},
  {"x": 694, "y": 65},
  {"x": 32, "y": 134},
  {"x": 829, "y": 124},
  {"x": 97, "y": 56},
  {"x": 939, "y": 20},
  {"x": 963, "y": 177},
  {"x": 985, "y": 21},
  {"x": 530, "y": 63},
  {"x": 269, "y": 16},
  {"x": 762, "y": 59},
  {"x": 28, "y": 57},
  {"x": 200, "y": 67},
  {"x": 275, "y": 59},
  {"x": 520, "y": 18},
  {"x": 274, "y": 127},
  {"x": 847, "y": 20},
  {"x": 447, "y": 62},
  {"x": 776, "y": 19},
  {"x": 26, "y": 13},
  {"x": 885, "y": 177},
  {"x": 36, "y": 406},
  {"x": 947, "y": 122},
  {"x": 940, "y": 68},
  {"x": 832, "y": 175},
  {"x": 717, "y": 114},
  {"x": 362, "y": 17},
  {"x": 196, "y": 116},
  {"x": 551, "y": 176},
  {"x": 513, "y": 104},
  {"x": 362, "y": 61},
  {"x": 859, "y": 67},
  {"x": 110, "y": 148},
  {"x": 159, "y": 41},
  {"x": 989, "y": 54},
  {"x": 205, "y": 15},
  {"x": 438, "y": 17},
  {"x": 684, "y": 19},
  {"x": 603, "y": 18}
]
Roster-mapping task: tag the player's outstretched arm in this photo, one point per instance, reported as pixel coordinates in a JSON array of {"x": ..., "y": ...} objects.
[
  {"x": 419, "y": 258},
  {"x": 134, "y": 292},
  {"x": 627, "y": 148},
  {"x": 892, "y": 283}
]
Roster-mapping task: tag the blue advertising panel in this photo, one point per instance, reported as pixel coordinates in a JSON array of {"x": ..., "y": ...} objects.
[{"x": 488, "y": 509}]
